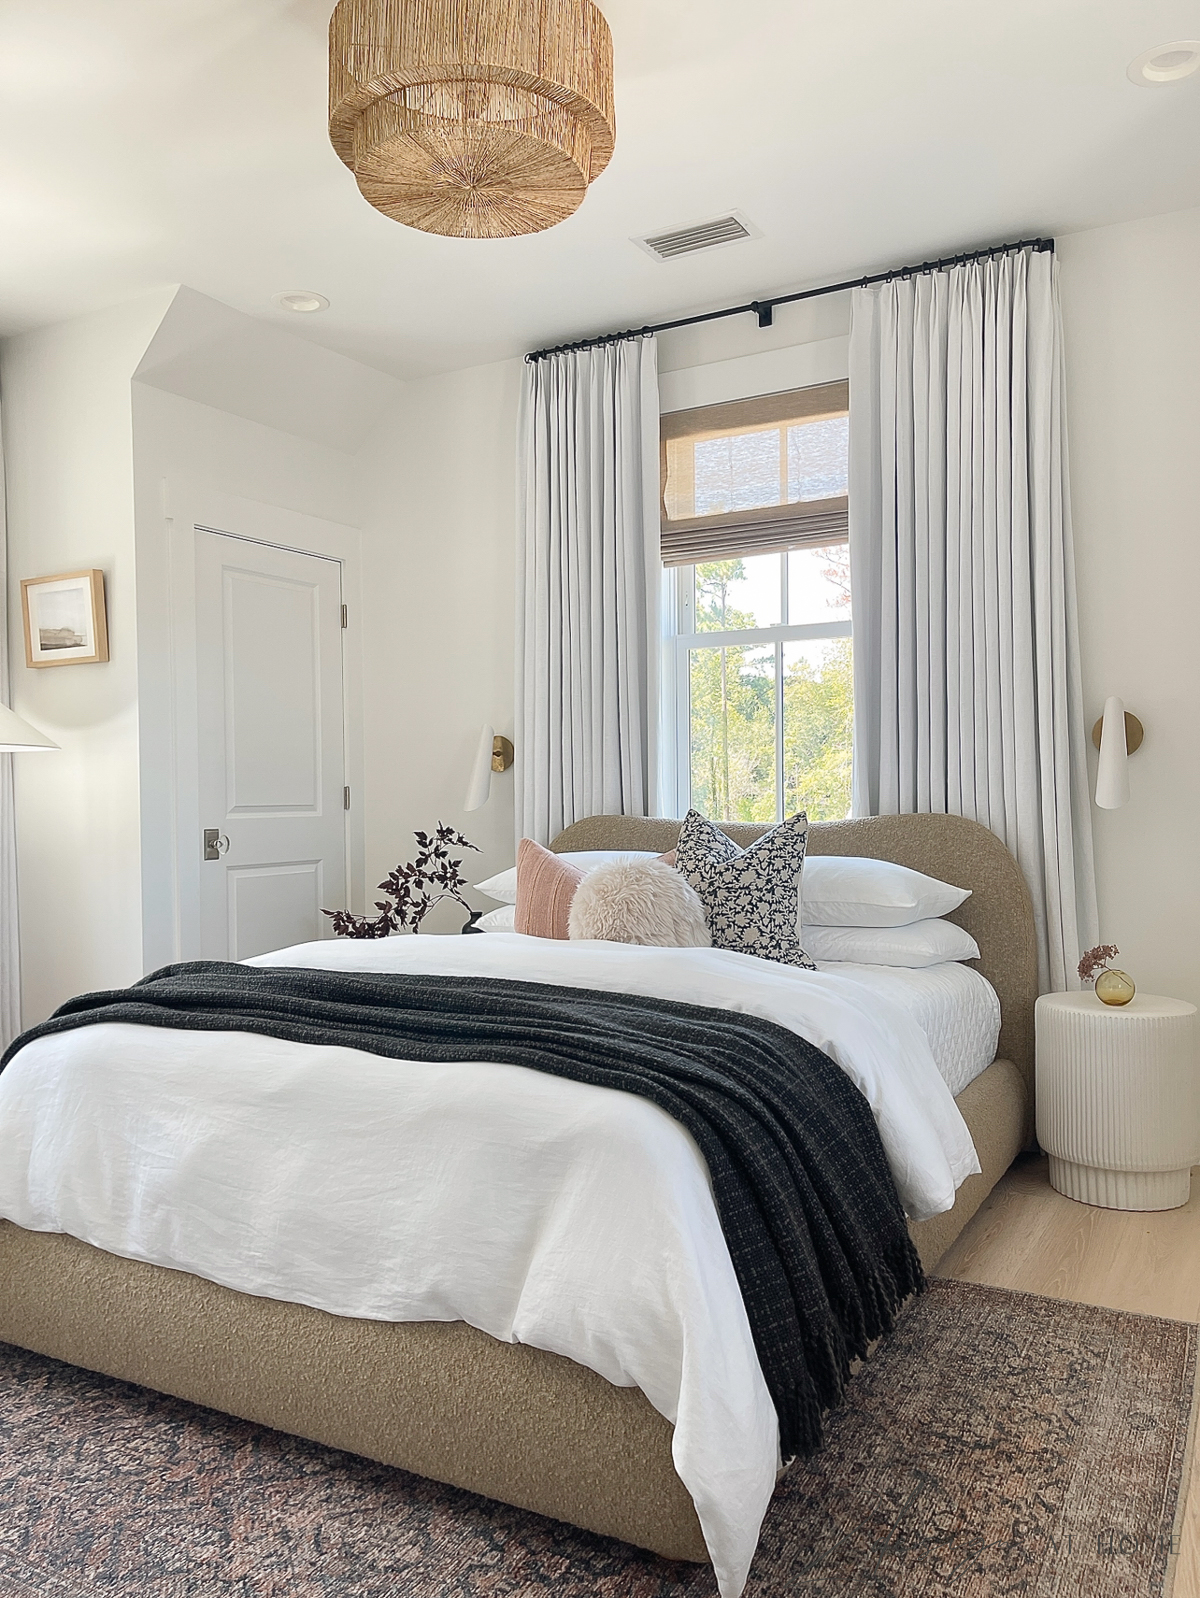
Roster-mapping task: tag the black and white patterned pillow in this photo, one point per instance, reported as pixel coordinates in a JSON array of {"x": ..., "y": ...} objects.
[{"x": 751, "y": 897}]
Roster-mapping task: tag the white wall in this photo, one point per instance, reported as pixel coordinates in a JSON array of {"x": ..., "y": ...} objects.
[
  {"x": 263, "y": 372},
  {"x": 69, "y": 466},
  {"x": 432, "y": 485},
  {"x": 439, "y": 584},
  {"x": 244, "y": 426},
  {"x": 1131, "y": 305},
  {"x": 194, "y": 460},
  {"x": 440, "y": 517},
  {"x": 731, "y": 360},
  {"x": 104, "y": 418},
  {"x": 1131, "y": 308},
  {"x": 439, "y": 541},
  {"x": 721, "y": 345}
]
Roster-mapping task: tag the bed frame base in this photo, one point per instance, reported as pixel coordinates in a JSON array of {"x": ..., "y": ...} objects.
[
  {"x": 447, "y": 1401},
  {"x": 437, "y": 1398}
]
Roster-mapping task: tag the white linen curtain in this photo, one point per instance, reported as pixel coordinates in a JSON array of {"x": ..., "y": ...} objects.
[
  {"x": 967, "y": 693},
  {"x": 588, "y": 574},
  {"x": 10, "y": 949}
]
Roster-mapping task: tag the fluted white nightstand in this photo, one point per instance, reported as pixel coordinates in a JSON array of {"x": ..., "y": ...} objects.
[{"x": 1118, "y": 1099}]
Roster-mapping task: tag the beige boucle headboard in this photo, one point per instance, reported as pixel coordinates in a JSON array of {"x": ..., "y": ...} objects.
[{"x": 998, "y": 915}]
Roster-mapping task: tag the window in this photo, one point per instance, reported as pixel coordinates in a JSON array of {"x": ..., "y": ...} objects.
[{"x": 758, "y": 686}]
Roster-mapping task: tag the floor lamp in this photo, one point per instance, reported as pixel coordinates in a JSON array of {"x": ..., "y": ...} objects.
[{"x": 17, "y": 737}]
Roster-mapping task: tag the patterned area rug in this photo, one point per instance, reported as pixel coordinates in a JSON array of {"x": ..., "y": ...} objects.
[{"x": 998, "y": 1444}]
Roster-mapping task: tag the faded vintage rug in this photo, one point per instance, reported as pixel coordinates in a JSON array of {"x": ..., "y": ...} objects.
[{"x": 1000, "y": 1444}]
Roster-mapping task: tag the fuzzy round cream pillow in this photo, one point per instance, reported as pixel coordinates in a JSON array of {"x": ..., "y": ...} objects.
[{"x": 638, "y": 901}]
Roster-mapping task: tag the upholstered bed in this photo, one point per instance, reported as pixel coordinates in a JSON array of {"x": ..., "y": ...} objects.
[{"x": 439, "y": 1398}]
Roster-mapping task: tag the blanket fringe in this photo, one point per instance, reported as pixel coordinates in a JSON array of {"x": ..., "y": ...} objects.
[{"x": 809, "y": 1397}]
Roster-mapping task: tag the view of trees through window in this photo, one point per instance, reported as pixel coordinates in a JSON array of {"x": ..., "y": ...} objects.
[
  {"x": 762, "y": 694},
  {"x": 771, "y": 722}
]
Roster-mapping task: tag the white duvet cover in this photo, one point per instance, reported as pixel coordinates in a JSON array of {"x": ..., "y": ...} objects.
[{"x": 573, "y": 1218}]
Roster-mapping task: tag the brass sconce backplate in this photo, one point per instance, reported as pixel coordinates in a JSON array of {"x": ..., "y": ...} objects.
[
  {"x": 502, "y": 754},
  {"x": 1134, "y": 732}
]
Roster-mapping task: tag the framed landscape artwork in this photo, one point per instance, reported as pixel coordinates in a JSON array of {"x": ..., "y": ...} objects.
[{"x": 65, "y": 623}]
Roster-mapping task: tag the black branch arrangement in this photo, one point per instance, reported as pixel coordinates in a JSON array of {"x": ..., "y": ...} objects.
[{"x": 412, "y": 890}]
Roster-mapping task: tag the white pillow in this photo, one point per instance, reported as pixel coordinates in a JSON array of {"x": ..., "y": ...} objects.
[
  {"x": 920, "y": 943},
  {"x": 502, "y": 920},
  {"x": 849, "y": 891},
  {"x": 503, "y": 885}
]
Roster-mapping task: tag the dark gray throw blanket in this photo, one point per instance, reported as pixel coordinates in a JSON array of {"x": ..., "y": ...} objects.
[{"x": 814, "y": 1226}]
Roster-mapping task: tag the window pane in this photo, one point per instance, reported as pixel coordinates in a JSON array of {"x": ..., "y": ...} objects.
[
  {"x": 818, "y": 454},
  {"x": 819, "y": 585},
  {"x": 818, "y": 728},
  {"x": 740, "y": 472},
  {"x": 733, "y": 733},
  {"x": 735, "y": 594}
]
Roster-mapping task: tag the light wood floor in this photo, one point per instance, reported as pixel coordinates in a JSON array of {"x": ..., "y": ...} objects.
[{"x": 1033, "y": 1239}]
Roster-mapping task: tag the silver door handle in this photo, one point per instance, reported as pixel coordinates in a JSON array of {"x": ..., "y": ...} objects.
[{"x": 215, "y": 843}]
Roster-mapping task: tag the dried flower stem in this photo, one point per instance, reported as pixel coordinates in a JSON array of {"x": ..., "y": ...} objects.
[{"x": 412, "y": 890}]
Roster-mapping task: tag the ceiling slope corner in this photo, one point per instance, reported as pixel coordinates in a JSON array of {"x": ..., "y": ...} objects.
[{"x": 217, "y": 356}]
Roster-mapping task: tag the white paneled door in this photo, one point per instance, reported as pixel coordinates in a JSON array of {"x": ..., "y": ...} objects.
[{"x": 271, "y": 751}]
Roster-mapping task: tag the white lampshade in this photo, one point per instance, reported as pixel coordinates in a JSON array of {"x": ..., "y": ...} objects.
[
  {"x": 1112, "y": 773},
  {"x": 18, "y": 737},
  {"x": 480, "y": 787}
]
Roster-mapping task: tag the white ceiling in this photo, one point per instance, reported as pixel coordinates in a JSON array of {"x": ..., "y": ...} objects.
[
  {"x": 203, "y": 350},
  {"x": 146, "y": 142}
]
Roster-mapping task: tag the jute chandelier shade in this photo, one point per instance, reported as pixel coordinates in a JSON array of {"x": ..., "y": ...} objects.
[{"x": 477, "y": 119}]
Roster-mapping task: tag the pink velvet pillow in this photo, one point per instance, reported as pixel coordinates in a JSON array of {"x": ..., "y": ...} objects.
[{"x": 546, "y": 885}]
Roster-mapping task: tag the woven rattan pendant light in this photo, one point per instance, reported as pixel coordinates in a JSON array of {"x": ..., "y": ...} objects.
[{"x": 478, "y": 119}]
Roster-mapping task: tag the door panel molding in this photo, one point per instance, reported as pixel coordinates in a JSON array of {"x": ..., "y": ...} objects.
[
  {"x": 248, "y": 911},
  {"x": 252, "y": 741},
  {"x": 171, "y": 821},
  {"x": 270, "y": 702}
]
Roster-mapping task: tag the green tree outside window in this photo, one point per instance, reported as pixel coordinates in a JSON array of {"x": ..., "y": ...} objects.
[{"x": 733, "y": 714}]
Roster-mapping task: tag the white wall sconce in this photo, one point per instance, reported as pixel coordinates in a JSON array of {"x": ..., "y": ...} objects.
[
  {"x": 493, "y": 754},
  {"x": 1116, "y": 735}
]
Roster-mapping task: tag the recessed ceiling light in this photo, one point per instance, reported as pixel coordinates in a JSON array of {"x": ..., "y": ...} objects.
[
  {"x": 301, "y": 300},
  {"x": 1166, "y": 63}
]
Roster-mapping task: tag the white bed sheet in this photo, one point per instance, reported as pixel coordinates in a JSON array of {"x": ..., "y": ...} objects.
[
  {"x": 545, "y": 1211},
  {"x": 955, "y": 1007}
]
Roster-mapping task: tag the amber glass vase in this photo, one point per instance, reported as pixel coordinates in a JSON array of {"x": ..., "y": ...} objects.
[{"x": 1114, "y": 987}]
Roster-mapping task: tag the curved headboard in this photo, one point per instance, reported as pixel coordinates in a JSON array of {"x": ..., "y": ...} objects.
[{"x": 998, "y": 915}]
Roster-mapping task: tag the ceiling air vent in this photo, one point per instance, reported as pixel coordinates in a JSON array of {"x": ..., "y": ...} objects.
[{"x": 729, "y": 229}]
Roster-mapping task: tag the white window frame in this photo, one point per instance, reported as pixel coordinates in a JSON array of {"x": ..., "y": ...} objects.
[{"x": 680, "y": 638}]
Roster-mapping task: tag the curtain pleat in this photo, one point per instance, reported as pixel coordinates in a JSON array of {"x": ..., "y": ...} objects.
[
  {"x": 589, "y": 575},
  {"x": 967, "y": 688},
  {"x": 10, "y": 948}
]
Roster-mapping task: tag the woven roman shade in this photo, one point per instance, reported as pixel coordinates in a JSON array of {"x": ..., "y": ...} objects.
[{"x": 726, "y": 451}]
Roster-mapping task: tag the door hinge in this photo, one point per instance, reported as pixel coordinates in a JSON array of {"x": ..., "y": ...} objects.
[
  {"x": 346, "y": 797},
  {"x": 345, "y": 615}
]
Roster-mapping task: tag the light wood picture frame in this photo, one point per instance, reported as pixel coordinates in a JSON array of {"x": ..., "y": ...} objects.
[{"x": 65, "y": 619}]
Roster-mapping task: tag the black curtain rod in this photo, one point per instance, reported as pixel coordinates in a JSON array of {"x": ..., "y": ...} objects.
[{"x": 765, "y": 309}]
